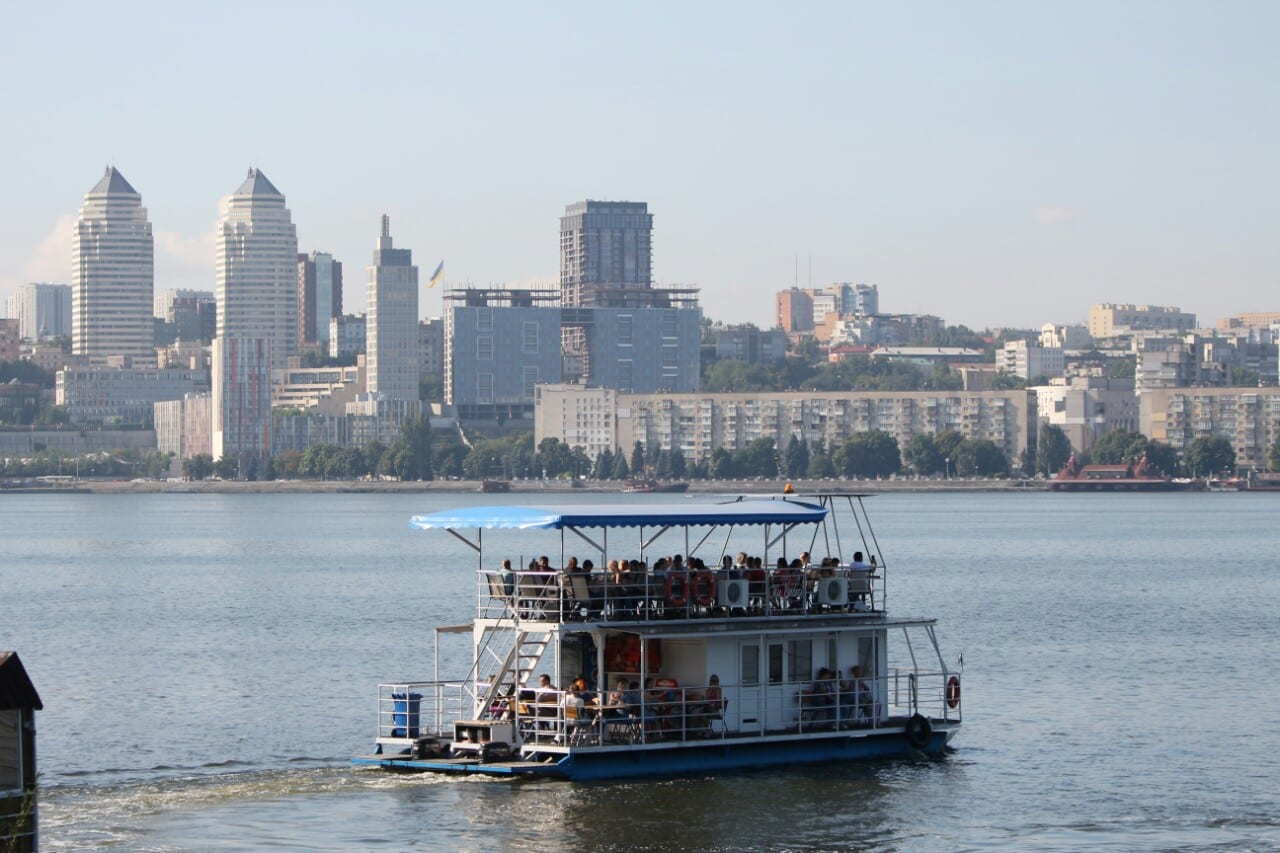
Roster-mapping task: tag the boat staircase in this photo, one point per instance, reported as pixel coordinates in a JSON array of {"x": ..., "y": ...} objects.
[{"x": 506, "y": 676}]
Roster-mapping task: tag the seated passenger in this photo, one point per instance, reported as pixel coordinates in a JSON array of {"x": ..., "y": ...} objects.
[{"x": 508, "y": 577}]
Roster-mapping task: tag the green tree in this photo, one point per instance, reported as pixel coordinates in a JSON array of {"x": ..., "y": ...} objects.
[
  {"x": 979, "y": 459},
  {"x": 820, "y": 464},
  {"x": 1053, "y": 448},
  {"x": 1122, "y": 368},
  {"x": 637, "y": 460},
  {"x": 226, "y": 467},
  {"x": 1273, "y": 457},
  {"x": 923, "y": 456},
  {"x": 1163, "y": 457},
  {"x": 873, "y": 453},
  {"x": 1209, "y": 455},
  {"x": 1118, "y": 447},
  {"x": 621, "y": 470},
  {"x": 554, "y": 459},
  {"x": 720, "y": 465},
  {"x": 198, "y": 467},
  {"x": 797, "y": 457},
  {"x": 603, "y": 468}
]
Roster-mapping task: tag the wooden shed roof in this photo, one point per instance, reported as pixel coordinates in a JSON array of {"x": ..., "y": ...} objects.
[{"x": 16, "y": 689}]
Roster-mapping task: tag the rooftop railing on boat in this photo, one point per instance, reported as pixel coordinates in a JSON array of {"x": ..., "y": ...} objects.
[{"x": 595, "y": 596}]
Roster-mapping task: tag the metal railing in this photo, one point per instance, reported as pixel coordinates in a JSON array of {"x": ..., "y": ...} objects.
[
  {"x": 597, "y": 597},
  {"x": 413, "y": 709}
]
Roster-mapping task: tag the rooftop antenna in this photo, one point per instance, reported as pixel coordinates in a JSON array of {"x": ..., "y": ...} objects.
[
  {"x": 811, "y": 270},
  {"x": 795, "y": 282},
  {"x": 386, "y": 225}
]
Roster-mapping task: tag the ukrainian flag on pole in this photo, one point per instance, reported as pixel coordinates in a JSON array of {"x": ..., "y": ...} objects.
[{"x": 437, "y": 275}]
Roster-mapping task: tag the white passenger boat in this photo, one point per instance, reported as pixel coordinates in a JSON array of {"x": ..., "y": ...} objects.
[{"x": 691, "y": 662}]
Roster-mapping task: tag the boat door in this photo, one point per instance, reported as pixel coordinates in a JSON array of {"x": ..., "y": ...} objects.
[{"x": 749, "y": 711}]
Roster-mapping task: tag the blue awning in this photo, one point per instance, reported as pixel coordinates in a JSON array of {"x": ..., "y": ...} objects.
[{"x": 754, "y": 512}]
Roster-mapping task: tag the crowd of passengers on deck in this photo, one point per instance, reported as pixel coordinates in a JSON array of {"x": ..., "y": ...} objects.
[
  {"x": 674, "y": 585},
  {"x": 661, "y": 710}
]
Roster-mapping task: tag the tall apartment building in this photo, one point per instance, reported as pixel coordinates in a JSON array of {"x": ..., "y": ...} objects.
[
  {"x": 1247, "y": 320},
  {"x": 42, "y": 310},
  {"x": 431, "y": 347},
  {"x": 182, "y": 426},
  {"x": 319, "y": 297},
  {"x": 241, "y": 380},
  {"x": 793, "y": 310},
  {"x": 257, "y": 268},
  {"x": 190, "y": 315},
  {"x": 697, "y": 424},
  {"x": 348, "y": 335},
  {"x": 392, "y": 321},
  {"x": 605, "y": 246},
  {"x": 10, "y": 338},
  {"x": 113, "y": 275},
  {"x": 1107, "y": 319}
]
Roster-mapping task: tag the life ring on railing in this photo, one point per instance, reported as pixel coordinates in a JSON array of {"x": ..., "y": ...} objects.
[
  {"x": 704, "y": 589},
  {"x": 953, "y": 692},
  {"x": 918, "y": 731},
  {"x": 677, "y": 589}
]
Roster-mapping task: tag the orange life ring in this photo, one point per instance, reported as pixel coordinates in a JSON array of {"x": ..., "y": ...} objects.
[
  {"x": 677, "y": 589},
  {"x": 704, "y": 589},
  {"x": 953, "y": 691}
]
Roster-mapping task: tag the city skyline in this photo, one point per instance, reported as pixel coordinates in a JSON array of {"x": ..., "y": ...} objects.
[{"x": 991, "y": 165}]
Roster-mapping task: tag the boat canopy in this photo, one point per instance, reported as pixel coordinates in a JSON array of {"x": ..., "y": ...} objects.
[{"x": 756, "y": 512}]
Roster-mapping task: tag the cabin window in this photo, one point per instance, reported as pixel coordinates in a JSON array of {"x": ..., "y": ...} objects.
[
  {"x": 775, "y": 663},
  {"x": 10, "y": 751},
  {"x": 833, "y": 659},
  {"x": 750, "y": 666},
  {"x": 799, "y": 659}
]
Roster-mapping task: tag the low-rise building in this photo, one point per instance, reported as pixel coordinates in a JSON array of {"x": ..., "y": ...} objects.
[
  {"x": 121, "y": 394},
  {"x": 1064, "y": 337},
  {"x": 750, "y": 344},
  {"x": 697, "y": 424},
  {"x": 1247, "y": 417},
  {"x": 1109, "y": 319},
  {"x": 1021, "y": 358},
  {"x": 1087, "y": 407},
  {"x": 308, "y": 387},
  {"x": 185, "y": 427}
]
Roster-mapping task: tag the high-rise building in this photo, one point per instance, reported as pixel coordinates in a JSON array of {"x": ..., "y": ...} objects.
[
  {"x": 604, "y": 246},
  {"x": 113, "y": 275},
  {"x": 241, "y": 379},
  {"x": 42, "y": 310},
  {"x": 392, "y": 321},
  {"x": 319, "y": 297},
  {"x": 257, "y": 268},
  {"x": 794, "y": 310}
]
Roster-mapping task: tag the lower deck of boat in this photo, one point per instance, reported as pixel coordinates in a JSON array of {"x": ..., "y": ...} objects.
[{"x": 730, "y": 752}]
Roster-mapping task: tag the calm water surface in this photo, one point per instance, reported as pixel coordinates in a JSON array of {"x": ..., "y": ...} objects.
[{"x": 208, "y": 664}]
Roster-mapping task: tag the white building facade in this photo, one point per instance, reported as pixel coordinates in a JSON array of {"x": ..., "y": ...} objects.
[
  {"x": 256, "y": 282},
  {"x": 113, "y": 275},
  {"x": 42, "y": 310}
]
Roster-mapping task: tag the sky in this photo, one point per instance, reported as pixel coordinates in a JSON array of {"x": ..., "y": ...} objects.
[{"x": 996, "y": 164}]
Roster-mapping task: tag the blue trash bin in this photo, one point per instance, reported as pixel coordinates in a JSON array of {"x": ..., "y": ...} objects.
[{"x": 406, "y": 710}]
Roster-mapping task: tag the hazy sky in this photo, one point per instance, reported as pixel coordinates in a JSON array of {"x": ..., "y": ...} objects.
[{"x": 993, "y": 163}]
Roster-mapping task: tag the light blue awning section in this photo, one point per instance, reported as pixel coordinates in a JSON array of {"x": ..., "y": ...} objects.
[{"x": 753, "y": 512}]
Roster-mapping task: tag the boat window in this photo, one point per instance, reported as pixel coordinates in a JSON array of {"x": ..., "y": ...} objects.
[
  {"x": 833, "y": 659},
  {"x": 799, "y": 659},
  {"x": 750, "y": 665},
  {"x": 775, "y": 663}
]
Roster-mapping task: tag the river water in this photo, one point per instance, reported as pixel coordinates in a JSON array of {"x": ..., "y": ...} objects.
[{"x": 209, "y": 662}]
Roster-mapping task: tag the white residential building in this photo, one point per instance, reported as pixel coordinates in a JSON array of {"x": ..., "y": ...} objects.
[
  {"x": 392, "y": 321},
  {"x": 577, "y": 416},
  {"x": 1028, "y": 360},
  {"x": 256, "y": 284},
  {"x": 42, "y": 310},
  {"x": 113, "y": 275}
]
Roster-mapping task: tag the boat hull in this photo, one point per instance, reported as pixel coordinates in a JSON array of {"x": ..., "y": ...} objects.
[{"x": 728, "y": 754}]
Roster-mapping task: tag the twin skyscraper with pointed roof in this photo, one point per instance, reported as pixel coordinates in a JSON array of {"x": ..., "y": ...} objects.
[{"x": 256, "y": 289}]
